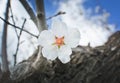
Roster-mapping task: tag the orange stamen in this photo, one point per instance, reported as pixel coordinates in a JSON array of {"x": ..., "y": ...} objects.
[{"x": 59, "y": 41}]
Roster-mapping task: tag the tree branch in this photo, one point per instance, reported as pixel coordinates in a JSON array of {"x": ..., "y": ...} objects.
[
  {"x": 15, "y": 55},
  {"x": 59, "y": 13},
  {"x": 18, "y": 27},
  {"x": 41, "y": 22},
  {"x": 13, "y": 20},
  {"x": 0, "y": 71},
  {"x": 29, "y": 10},
  {"x": 5, "y": 67}
]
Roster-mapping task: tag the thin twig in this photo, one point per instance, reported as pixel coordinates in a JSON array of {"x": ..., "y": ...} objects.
[
  {"x": 15, "y": 55},
  {"x": 13, "y": 20},
  {"x": 29, "y": 10},
  {"x": 18, "y": 27},
  {"x": 59, "y": 13}
]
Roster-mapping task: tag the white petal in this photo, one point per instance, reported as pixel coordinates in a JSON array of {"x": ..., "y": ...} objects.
[
  {"x": 59, "y": 28},
  {"x": 73, "y": 38},
  {"x": 64, "y": 54},
  {"x": 50, "y": 52},
  {"x": 46, "y": 38}
]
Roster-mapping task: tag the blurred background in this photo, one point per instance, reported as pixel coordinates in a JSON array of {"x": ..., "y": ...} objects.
[{"x": 95, "y": 19}]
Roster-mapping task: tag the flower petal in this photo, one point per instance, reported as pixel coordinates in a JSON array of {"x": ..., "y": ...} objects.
[
  {"x": 73, "y": 38},
  {"x": 50, "y": 52},
  {"x": 64, "y": 54},
  {"x": 46, "y": 38},
  {"x": 59, "y": 28}
]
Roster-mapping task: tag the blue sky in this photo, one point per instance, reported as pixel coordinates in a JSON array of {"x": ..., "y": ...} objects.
[{"x": 111, "y": 6}]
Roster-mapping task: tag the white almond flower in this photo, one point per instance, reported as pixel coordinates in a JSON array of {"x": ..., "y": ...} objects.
[{"x": 58, "y": 41}]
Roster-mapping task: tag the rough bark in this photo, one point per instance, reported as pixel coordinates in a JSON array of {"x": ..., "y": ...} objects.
[{"x": 88, "y": 65}]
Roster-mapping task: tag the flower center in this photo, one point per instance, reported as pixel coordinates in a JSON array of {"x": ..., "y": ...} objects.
[{"x": 59, "y": 41}]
